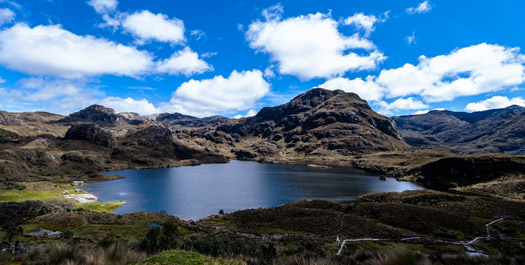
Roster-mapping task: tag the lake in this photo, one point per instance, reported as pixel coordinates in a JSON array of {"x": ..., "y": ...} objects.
[{"x": 195, "y": 192}]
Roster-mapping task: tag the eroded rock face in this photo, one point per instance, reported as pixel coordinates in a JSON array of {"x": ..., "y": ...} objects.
[
  {"x": 92, "y": 133},
  {"x": 93, "y": 114}
]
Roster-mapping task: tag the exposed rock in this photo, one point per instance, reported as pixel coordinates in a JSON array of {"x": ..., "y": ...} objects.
[
  {"x": 491, "y": 131},
  {"x": 91, "y": 133},
  {"x": 244, "y": 155},
  {"x": 93, "y": 114},
  {"x": 8, "y": 137},
  {"x": 345, "y": 123},
  {"x": 7, "y": 118}
]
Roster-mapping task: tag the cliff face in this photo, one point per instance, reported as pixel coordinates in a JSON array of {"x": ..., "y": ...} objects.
[{"x": 491, "y": 131}]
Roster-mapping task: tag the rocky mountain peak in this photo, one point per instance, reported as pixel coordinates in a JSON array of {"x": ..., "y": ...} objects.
[{"x": 94, "y": 113}]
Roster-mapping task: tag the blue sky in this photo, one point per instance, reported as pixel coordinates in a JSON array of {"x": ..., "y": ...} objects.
[{"x": 234, "y": 57}]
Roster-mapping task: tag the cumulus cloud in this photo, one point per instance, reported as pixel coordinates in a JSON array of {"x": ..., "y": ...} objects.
[
  {"x": 365, "y": 22},
  {"x": 103, "y": 6},
  {"x": 367, "y": 89},
  {"x": 145, "y": 26},
  {"x": 468, "y": 71},
  {"x": 495, "y": 102},
  {"x": 403, "y": 104},
  {"x": 250, "y": 113},
  {"x": 423, "y": 7},
  {"x": 186, "y": 62},
  {"x": 54, "y": 51},
  {"x": 311, "y": 46},
  {"x": 207, "y": 97},
  {"x": 420, "y": 112},
  {"x": 6, "y": 16},
  {"x": 143, "y": 106}
]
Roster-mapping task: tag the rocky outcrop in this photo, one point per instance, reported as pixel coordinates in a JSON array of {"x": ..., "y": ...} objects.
[
  {"x": 8, "y": 137},
  {"x": 92, "y": 133},
  {"x": 154, "y": 144},
  {"x": 93, "y": 114},
  {"x": 7, "y": 118},
  {"x": 181, "y": 120},
  {"x": 491, "y": 131}
]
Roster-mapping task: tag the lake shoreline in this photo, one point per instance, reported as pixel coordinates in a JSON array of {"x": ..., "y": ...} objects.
[{"x": 249, "y": 185}]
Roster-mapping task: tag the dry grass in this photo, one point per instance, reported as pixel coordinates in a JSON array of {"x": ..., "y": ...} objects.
[{"x": 65, "y": 254}]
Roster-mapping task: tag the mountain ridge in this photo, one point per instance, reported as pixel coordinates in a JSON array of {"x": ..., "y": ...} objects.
[{"x": 491, "y": 131}]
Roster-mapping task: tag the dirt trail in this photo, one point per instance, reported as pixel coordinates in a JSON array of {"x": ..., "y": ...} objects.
[{"x": 466, "y": 244}]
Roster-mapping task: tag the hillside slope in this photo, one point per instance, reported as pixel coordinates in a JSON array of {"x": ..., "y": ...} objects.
[{"x": 491, "y": 131}]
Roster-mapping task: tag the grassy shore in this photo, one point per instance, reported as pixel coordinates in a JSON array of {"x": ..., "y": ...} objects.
[{"x": 57, "y": 193}]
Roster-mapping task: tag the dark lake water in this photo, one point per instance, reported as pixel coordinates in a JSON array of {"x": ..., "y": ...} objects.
[{"x": 195, "y": 192}]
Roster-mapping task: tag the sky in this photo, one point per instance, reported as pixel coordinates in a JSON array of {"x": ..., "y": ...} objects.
[{"x": 232, "y": 58}]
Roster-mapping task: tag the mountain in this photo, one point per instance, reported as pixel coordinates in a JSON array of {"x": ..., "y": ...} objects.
[
  {"x": 490, "y": 131},
  {"x": 317, "y": 123}
]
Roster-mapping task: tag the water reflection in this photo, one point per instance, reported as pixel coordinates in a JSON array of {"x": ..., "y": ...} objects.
[{"x": 198, "y": 191}]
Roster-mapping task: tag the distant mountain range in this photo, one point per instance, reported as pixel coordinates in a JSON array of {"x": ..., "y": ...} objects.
[{"x": 490, "y": 131}]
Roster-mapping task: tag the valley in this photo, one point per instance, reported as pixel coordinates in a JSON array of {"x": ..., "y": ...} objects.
[{"x": 469, "y": 185}]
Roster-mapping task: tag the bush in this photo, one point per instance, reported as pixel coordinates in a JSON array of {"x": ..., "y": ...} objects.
[
  {"x": 68, "y": 234},
  {"x": 161, "y": 238},
  {"x": 224, "y": 245}
]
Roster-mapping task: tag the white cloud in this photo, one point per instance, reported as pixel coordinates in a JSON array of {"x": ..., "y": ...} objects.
[
  {"x": 495, "y": 102},
  {"x": 310, "y": 46},
  {"x": 420, "y": 112},
  {"x": 6, "y": 16},
  {"x": 49, "y": 94},
  {"x": 423, "y": 7},
  {"x": 103, "y": 6},
  {"x": 145, "y": 26},
  {"x": 51, "y": 50},
  {"x": 411, "y": 39},
  {"x": 184, "y": 62},
  {"x": 143, "y": 106},
  {"x": 65, "y": 96},
  {"x": 250, "y": 113},
  {"x": 197, "y": 34},
  {"x": 268, "y": 72},
  {"x": 366, "y": 89},
  {"x": 364, "y": 22},
  {"x": 207, "y": 97},
  {"x": 403, "y": 104},
  {"x": 468, "y": 71},
  {"x": 274, "y": 12}
]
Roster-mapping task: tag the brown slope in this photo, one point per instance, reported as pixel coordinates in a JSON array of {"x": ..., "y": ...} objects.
[
  {"x": 319, "y": 122},
  {"x": 491, "y": 131}
]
